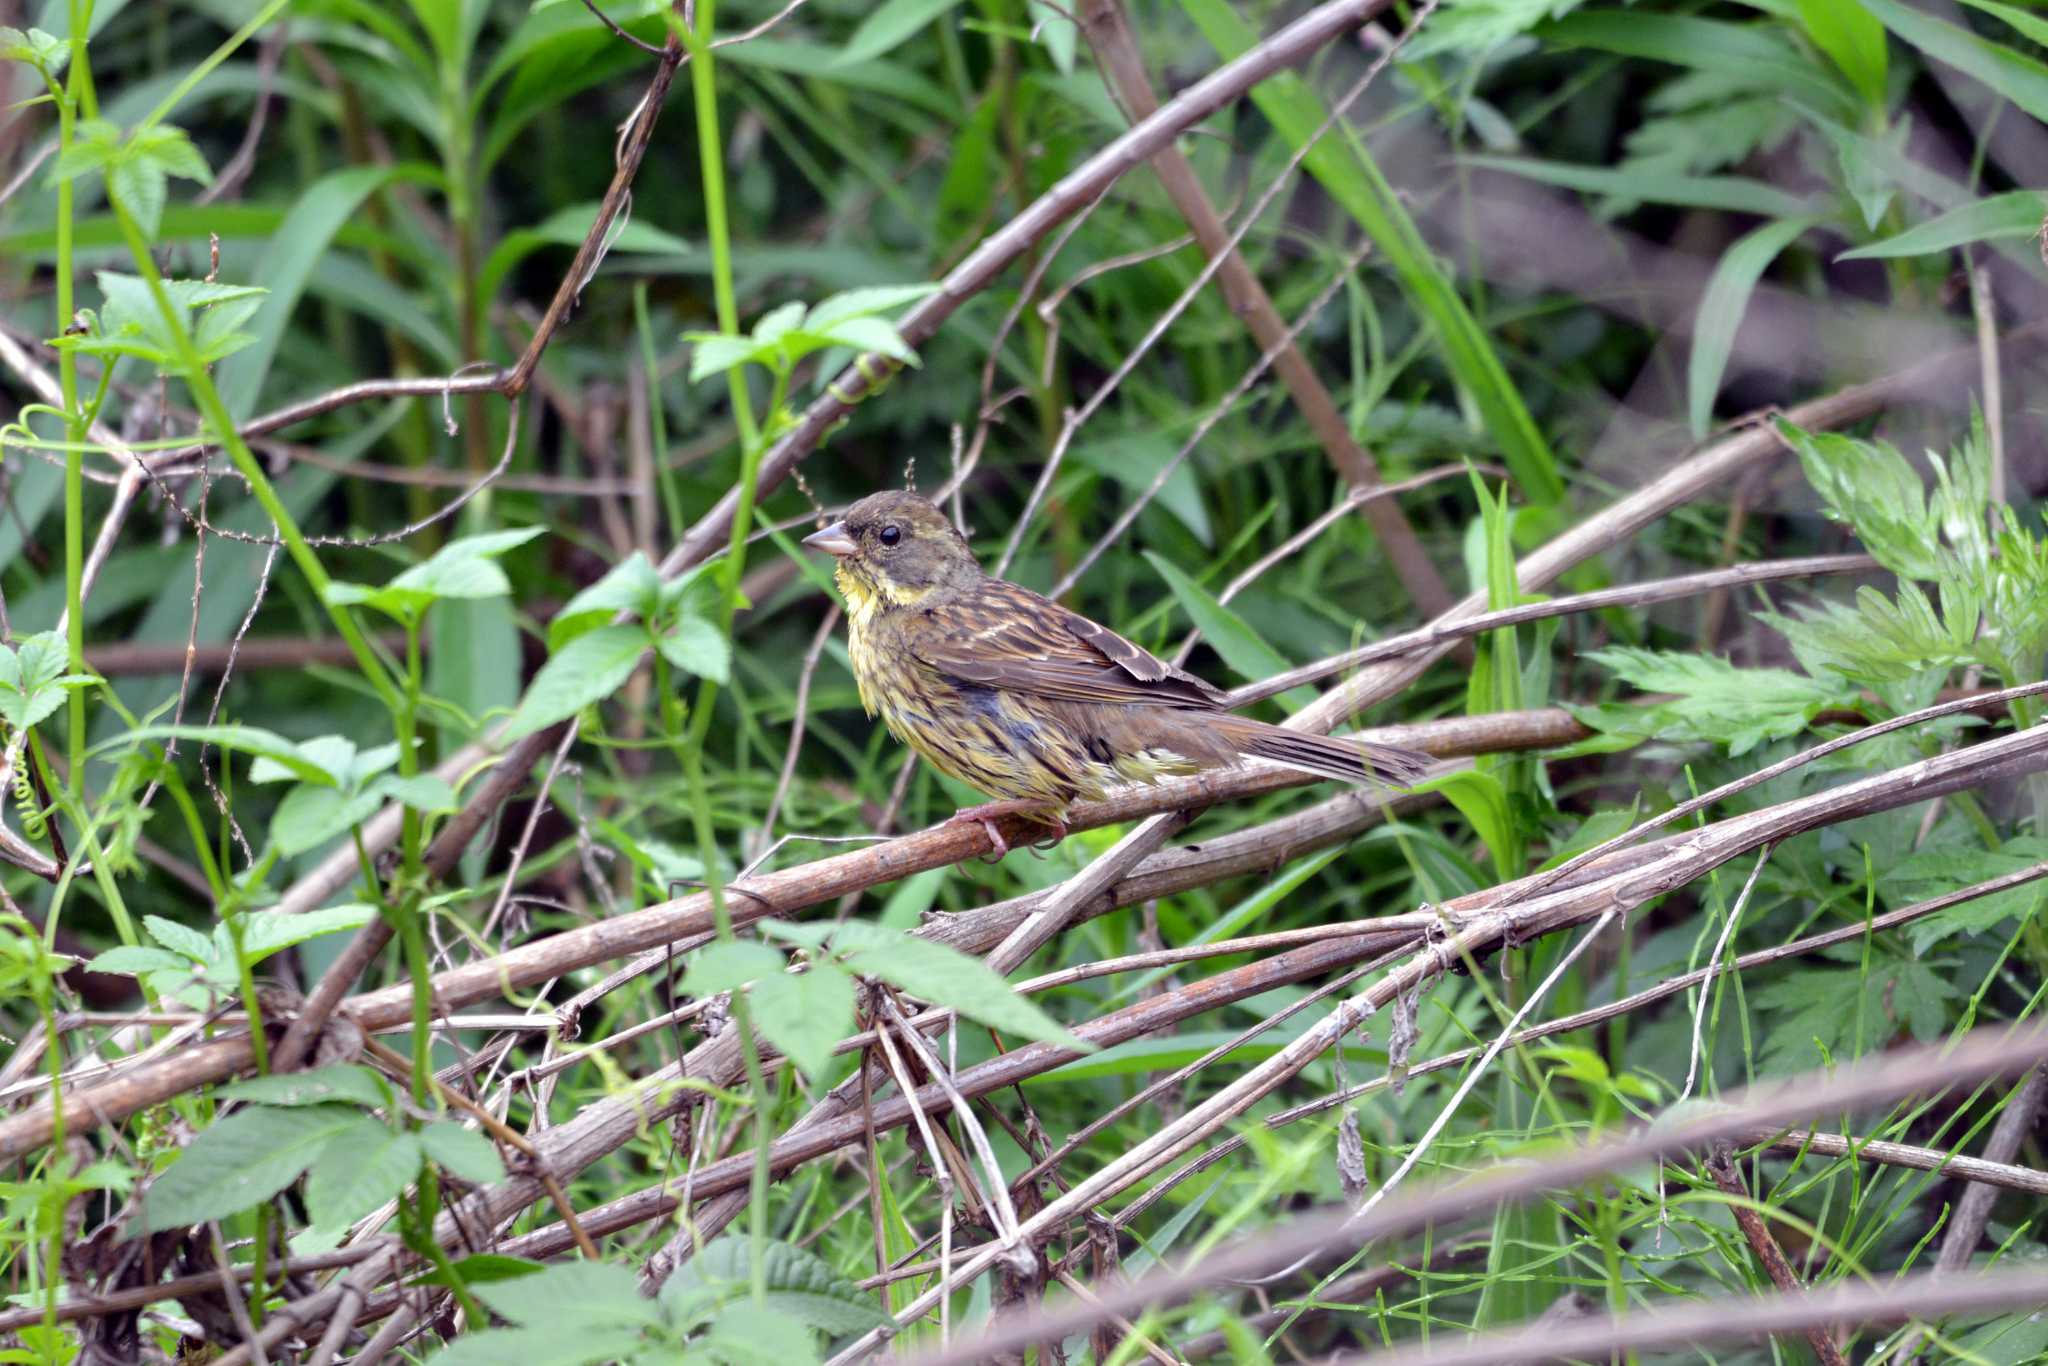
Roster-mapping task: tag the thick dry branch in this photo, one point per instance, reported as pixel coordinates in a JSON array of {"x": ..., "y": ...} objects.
[
  {"x": 1631, "y": 878},
  {"x": 777, "y": 893},
  {"x": 1721, "y": 1169}
]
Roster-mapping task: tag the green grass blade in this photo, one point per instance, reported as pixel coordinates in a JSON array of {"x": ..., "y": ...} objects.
[{"x": 1354, "y": 180}]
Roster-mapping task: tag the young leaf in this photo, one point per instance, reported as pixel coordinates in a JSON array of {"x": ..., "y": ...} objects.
[
  {"x": 587, "y": 670},
  {"x": 33, "y": 683},
  {"x": 268, "y": 932}
]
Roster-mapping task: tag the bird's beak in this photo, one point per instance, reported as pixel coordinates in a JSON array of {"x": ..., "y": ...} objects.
[{"x": 833, "y": 539}]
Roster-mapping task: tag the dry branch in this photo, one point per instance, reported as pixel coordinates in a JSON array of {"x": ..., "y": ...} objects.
[{"x": 1869, "y": 1081}]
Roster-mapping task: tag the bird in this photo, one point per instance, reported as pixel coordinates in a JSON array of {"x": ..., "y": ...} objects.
[{"x": 1026, "y": 701}]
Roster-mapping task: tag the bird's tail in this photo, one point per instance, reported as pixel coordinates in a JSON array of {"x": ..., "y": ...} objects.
[{"x": 1330, "y": 756}]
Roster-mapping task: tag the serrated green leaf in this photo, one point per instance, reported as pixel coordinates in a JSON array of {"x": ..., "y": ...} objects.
[
  {"x": 129, "y": 960},
  {"x": 310, "y": 816},
  {"x": 241, "y": 1160},
  {"x": 696, "y": 646},
  {"x": 588, "y": 1294},
  {"x": 587, "y": 670},
  {"x": 359, "y": 1171},
  {"x": 631, "y": 585},
  {"x": 179, "y": 939}
]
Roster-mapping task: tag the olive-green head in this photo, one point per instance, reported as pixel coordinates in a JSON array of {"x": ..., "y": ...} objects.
[{"x": 896, "y": 550}]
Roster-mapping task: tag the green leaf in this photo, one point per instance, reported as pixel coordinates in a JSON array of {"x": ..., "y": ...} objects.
[
  {"x": 465, "y": 568},
  {"x": 1873, "y": 488},
  {"x": 347, "y": 1082},
  {"x": 1880, "y": 640},
  {"x": 463, "y": 1152},
  {"x": 179, "y": 939},
  {"x": 428, "y": 792},
  {"x": 319, "y": 212},
  {"x": 587, "y": 670},
  {"x": 696, "y": 646},
  {"x": 590, "y": 1294},
  {"x": 1248, "y": 656},
  {"x": 746, "y": 1334},
  {"x": 2017, "y": 77},
  {"x": 865, "y": 302},
  {"x": 713, "y": 354},
  {"x": 2017, "y": 214},
  {"x": 242, "y": 1160},
  {"x": 1482, "y": 800},
  {"x": 1758, "y": 51},
  {"x": 33, "y": 681},
  {"x": 131, "y": 960},
  {"x": 140, "y": 187},
  {"x": 947, "y": 977},
  {"x": 552, "y": 1344},
  {"x": 1716, "y": 700},
  {"x": 359, "y": 1171},
  {"x": 168, "y": 148},
  {"x": 1853, "y": 40},
  {"x": 631, "y": 585},
  {"x": 35, "y": 46},
  {"x": 1735, "y": 194},
  {"x": 310, "y": 816},
  {"x": 1721, "y": 308},
  {"x": 266, "y": 932},
  {"x": 727, "y": 967},
  {"x": 246, "y": 739},
  {"x": 1937, "y": 871},
  {"x": 804, "y": 1014},
  {"x": 801, "y": 1284},
  {"x": 888, "y": 25}
]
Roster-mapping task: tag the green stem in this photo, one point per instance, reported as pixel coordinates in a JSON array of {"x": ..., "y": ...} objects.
[
  {"x": 68, "y": 103},
  {"x": 215, "y": 411}
]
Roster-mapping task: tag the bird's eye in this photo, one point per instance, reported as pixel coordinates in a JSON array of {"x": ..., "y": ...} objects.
[{"x": 891, "y": 535}]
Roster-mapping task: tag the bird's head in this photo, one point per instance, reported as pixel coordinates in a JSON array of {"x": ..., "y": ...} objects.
[{"x": 896, "y": 550}]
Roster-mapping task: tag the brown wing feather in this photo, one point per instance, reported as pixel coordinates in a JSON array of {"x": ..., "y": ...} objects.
[{"x": 1003, "y": 636}]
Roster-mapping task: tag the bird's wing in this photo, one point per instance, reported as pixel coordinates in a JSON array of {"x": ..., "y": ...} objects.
[{"x": 1003, "y": 636}]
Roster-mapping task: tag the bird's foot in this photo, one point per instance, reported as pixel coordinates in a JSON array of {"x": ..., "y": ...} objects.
[{"x": 988, "y": 813}]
